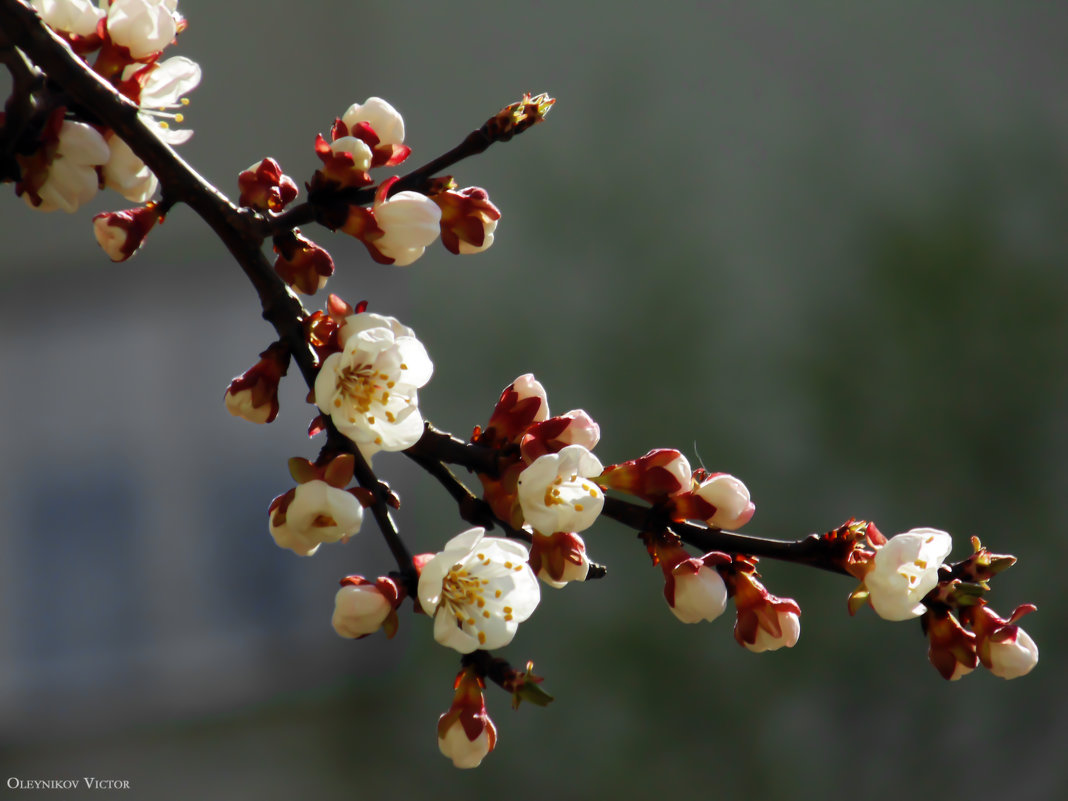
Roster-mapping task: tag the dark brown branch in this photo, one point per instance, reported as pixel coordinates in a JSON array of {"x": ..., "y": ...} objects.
[
  {"x": 23, "y": 111},
  {"x": 316, "y": 209},
  {"x": 811, "y": 551}
]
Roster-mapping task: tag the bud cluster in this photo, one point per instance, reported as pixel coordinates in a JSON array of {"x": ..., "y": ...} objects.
[
  {"x": 906, "y": 577},
  {"x": 63, "y": 162}
]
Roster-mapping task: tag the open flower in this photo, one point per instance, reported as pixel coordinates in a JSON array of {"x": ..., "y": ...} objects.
[
  {"x": 478, "y": 590},
  {"x": 904, "y": 570},
  {"x": 369, "y": 389},
  {"x": 311, "y": 514},
  {"x": 555, "y": 495}
]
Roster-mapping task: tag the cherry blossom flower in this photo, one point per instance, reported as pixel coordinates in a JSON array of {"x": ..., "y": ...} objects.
[
  {"x": 465, "y": 733},
  {"x": 143, "y": 27},
  {"x": 478, "y": 590},
  {"x": 311, "y": 514},
  {"x": 62, "y": 173},
  {"x": 555, "y": 495},
  {"x": 904, "y": 570},
  {"x": 126, "y": 173},
  {"x": 159, "y": 89},
  {"x": 362, "y": 607},
  {"x": 369, "y": 389},
  {"x": 79, "y": 17}
]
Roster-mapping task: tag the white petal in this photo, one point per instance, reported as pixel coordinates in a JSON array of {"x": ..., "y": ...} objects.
[
  {"x": 169, "y": 81},
  {"x": 449, "y": 634}
]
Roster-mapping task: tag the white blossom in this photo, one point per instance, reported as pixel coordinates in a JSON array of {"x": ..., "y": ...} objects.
[
  {"x": 71, "y": 179},
  {"x": 386, "y": 121},
  {"x": 127, "y": 174},
  {"x": 554, "y": 493},
  {"x": 904, "y": 570},
  {"x": 1012, "y": 658},
  {"x": 478, "y": 590},
  {"x": 143, "y": 27},
  {"x": 316, "y": 513},
  {"x": 369, "y": 389},
  {"x": 410, "y": 222},
  {"x": 69, "y": 16}
]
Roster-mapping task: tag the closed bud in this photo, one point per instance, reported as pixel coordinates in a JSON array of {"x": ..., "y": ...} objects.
[
  {"x": 362, "y": 607},
  {"x": 253, "y": 395},
  {"x": 265, "y": 187},
  {"x": 121, "y": 233},
  {"x": 465, "y": 733},
  {"x": 468, "y": 219},
  {"x": 659, "y": 474}
]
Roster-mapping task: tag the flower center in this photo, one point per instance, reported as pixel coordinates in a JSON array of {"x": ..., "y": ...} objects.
[
  {"x": 572, "y": 492},
  {"x": 463, "y": 595},
  {"x": 357, "y": 384}
]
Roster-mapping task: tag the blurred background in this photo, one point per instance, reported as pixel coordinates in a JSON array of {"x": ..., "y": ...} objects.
[{"x": 819, "y": 246}]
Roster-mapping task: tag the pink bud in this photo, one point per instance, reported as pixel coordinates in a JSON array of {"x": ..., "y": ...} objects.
[{"x": 121, "y": 233}]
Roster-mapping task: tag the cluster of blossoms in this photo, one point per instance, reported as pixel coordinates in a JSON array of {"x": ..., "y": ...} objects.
[
  {"x": 906, "y": 577},
  {"x": 541, "y": 483},
  {"x": 63, "y": 162},
  {"x": 697, "y": 588},
  {"x": 396, "y": 225}
]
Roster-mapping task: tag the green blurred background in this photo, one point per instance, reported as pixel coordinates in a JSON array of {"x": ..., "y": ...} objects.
[{"x": 821, "y": 245}]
